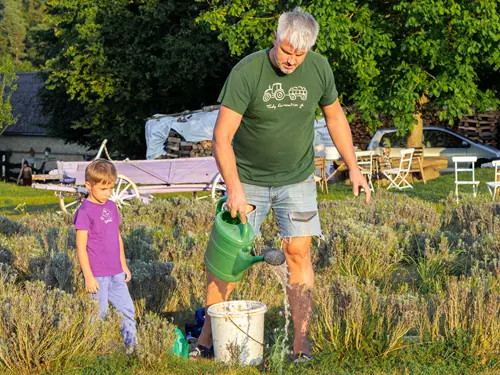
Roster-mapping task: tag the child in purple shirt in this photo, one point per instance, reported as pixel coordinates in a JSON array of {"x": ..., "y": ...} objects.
[{"x": 100, "y": 248}]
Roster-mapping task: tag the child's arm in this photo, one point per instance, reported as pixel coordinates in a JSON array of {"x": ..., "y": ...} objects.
[
  {"x": 19, "y": 178},
  {"x": 123, "y": 260},
  {"x": 91, "y": 284}
]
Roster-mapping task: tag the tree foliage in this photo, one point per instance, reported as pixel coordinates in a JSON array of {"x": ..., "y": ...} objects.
[
  {"x": 20, "y": 20},
  {"x": 7, "y": 88},
  {"x": 113, "y": 63},
  {"x": 388, "y": 56}
]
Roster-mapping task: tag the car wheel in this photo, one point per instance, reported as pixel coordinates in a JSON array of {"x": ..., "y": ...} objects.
[{"x": 482, "y": 161}]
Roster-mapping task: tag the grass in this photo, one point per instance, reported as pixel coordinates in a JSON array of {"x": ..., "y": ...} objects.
[
  {"x": 16, "y": 200},
  {"x": 435, "y": 191}
]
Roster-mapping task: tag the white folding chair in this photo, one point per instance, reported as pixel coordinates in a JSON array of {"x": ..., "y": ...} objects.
[
  {"x": 398, "y": 176},
  {"x": 465, "y": 165},
  {"x": 365, "y": 163},
  {"x": 495, "y": 185}
]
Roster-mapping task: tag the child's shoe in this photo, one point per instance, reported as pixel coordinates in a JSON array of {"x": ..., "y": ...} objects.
[
  {"x": 131, "y": 350},
  {"x": 201, "y": 351},
  {"x": 303, "y": 358}
]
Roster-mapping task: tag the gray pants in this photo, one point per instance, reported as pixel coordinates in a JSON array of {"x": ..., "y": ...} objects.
[{"x": 114, "y": 289}]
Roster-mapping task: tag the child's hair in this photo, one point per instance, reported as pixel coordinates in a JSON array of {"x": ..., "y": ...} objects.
[
  {"x": 100, "y": 171},
  {"x": 26, "y": 163}
]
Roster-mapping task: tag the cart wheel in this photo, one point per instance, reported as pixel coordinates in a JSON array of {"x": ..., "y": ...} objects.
[
  {"x": 69, "y": 202},
  {"x": 125, "y": 190},
  {"x": 218, "y": 187}
]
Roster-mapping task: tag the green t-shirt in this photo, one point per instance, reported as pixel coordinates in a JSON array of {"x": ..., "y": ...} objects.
[{"x": 274, "y": 142}]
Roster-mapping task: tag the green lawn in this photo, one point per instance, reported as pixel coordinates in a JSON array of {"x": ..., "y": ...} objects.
[
  {"x": 16, "y": 200},
  {"x": 434, "y": 191}
]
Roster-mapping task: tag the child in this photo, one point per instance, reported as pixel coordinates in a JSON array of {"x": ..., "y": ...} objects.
[
  {"x": 26, "y": 173},
  {"x": 100, "y": 248}
]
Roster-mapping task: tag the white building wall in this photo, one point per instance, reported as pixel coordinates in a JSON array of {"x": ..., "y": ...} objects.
[{"x": 20, "y": 146}]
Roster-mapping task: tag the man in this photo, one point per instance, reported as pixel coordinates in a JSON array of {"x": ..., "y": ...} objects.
[
  {"x": 31, "y": 159},
  {"x": 263, "y": 144}
]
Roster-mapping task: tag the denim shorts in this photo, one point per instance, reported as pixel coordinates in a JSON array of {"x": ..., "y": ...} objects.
[{"x": 294, "y": 206}]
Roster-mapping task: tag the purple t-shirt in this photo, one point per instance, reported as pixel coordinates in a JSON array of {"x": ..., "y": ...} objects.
[{"x": 103, "y": 243}]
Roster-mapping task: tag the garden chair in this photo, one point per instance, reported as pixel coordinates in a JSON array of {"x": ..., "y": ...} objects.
[
  {"x": 465, "y": 165},
  {"x": 417, "y": 165},
  {"x": 495, "y": 185},
  {"x": 398, "y": 176},
  {"x": 365, "y": 163},
  {"x": 320, "y": 173}
]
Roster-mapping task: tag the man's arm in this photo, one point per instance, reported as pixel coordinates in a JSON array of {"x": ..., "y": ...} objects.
[
  {"x": 227, "y": 123},
  {"x": 123, "y": 261},
  {"x": 91, "y": 284},
  {"x": 340, "y": 132}
]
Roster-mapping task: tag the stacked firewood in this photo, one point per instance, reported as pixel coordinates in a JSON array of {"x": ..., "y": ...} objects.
[
  {"x": 360, "y": 135},
  {"x": 480, "y": 127},
  {"x": 177, "y": 147}
]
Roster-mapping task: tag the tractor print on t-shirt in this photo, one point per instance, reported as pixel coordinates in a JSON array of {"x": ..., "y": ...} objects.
[{"x": 276, "y": 92}]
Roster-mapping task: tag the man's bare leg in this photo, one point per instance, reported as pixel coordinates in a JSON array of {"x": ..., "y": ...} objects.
[
  {"x": 300, "y": 290},
  {"x": 217, "y": 291}
]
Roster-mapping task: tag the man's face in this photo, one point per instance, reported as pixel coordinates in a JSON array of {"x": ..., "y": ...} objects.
[{"x": 286, "y": 57}]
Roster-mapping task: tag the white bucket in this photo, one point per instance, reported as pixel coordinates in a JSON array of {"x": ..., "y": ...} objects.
[
  {"x": 331, "y": 153},
  {"x": 238, "y": 331}
]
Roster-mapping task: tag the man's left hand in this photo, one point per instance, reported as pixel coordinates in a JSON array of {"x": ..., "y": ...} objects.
[{"x": 359, "y": 182}]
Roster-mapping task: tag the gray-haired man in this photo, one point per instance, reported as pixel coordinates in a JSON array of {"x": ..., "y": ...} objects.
[{"x": 263, "y": 144}]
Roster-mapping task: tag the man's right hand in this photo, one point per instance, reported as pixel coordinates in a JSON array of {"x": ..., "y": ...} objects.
[
  {"x": 237, "y": 203},
  {"x": 91, "y": 285}
]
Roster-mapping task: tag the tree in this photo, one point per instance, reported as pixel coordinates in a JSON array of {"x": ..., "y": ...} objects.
[
  {"x": 114, "y": 63},
  {"x": 19, "y": 22},
  {"x": 13, "y": 29},
  {"x": 7, "y": 88},
  {"x": 395, "y": 58}
]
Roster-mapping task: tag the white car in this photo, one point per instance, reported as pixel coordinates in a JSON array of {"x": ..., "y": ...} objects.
[{"x": 437, "y": 142}]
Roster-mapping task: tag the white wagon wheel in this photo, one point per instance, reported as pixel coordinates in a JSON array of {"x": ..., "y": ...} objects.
[
  {"x": 125, "y": 190},
  {"x": 69, "y": 202},
  {"x": 218, "y": 187}
]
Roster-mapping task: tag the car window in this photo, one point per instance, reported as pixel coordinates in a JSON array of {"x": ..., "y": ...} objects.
[
  {"x": 436, "y": 138},
  {"x": 392, "y": 140}
]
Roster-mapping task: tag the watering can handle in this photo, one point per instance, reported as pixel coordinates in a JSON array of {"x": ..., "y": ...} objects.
[
  {"x": 220, "y": 203},
  {"x": 244, "y": 227}
]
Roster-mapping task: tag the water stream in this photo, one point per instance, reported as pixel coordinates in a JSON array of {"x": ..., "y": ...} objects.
[{"x": 281, "y": 273}]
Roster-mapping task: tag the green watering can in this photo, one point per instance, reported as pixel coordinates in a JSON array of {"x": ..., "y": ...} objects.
[{"x": 228, "y": 253}]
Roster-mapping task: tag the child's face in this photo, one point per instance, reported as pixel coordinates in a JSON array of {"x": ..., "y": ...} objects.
[{"x": 99, "y": 192}]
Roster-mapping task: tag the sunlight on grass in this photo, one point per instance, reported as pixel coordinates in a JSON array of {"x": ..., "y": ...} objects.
[{"x": 25, "y": 199}]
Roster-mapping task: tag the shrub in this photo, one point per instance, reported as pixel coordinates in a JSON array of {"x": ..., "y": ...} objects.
[
  {"x": 366, "y": 251},
  {"x": 350, "y": 317},
  {"x": 151, "y": 285},
  {"x": 139, "y": 245},
  {"x": 43, "y": 328},
  {"x": 11, "y": 227},
  {"x": 155, "y": 337},
  {"x": 60, "y": 272}
]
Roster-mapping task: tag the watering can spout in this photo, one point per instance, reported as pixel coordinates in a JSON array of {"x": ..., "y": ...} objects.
[{"x": 256, "y": 259}]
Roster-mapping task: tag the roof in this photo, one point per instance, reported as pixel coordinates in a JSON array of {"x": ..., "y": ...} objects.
[{"x": 26, "y": 106}]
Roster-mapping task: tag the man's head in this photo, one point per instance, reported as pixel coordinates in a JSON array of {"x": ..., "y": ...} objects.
[
  {"x": 100, "y": 178},
  {"x": 297, "y": 32}
]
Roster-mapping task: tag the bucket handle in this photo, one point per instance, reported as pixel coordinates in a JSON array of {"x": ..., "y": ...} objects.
[
  {"x": 237, "y": 326},
  {"x": 244, "y": 227}
]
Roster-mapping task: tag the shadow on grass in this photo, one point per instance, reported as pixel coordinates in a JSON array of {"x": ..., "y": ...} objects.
[{"x": 18, "y": 210}]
